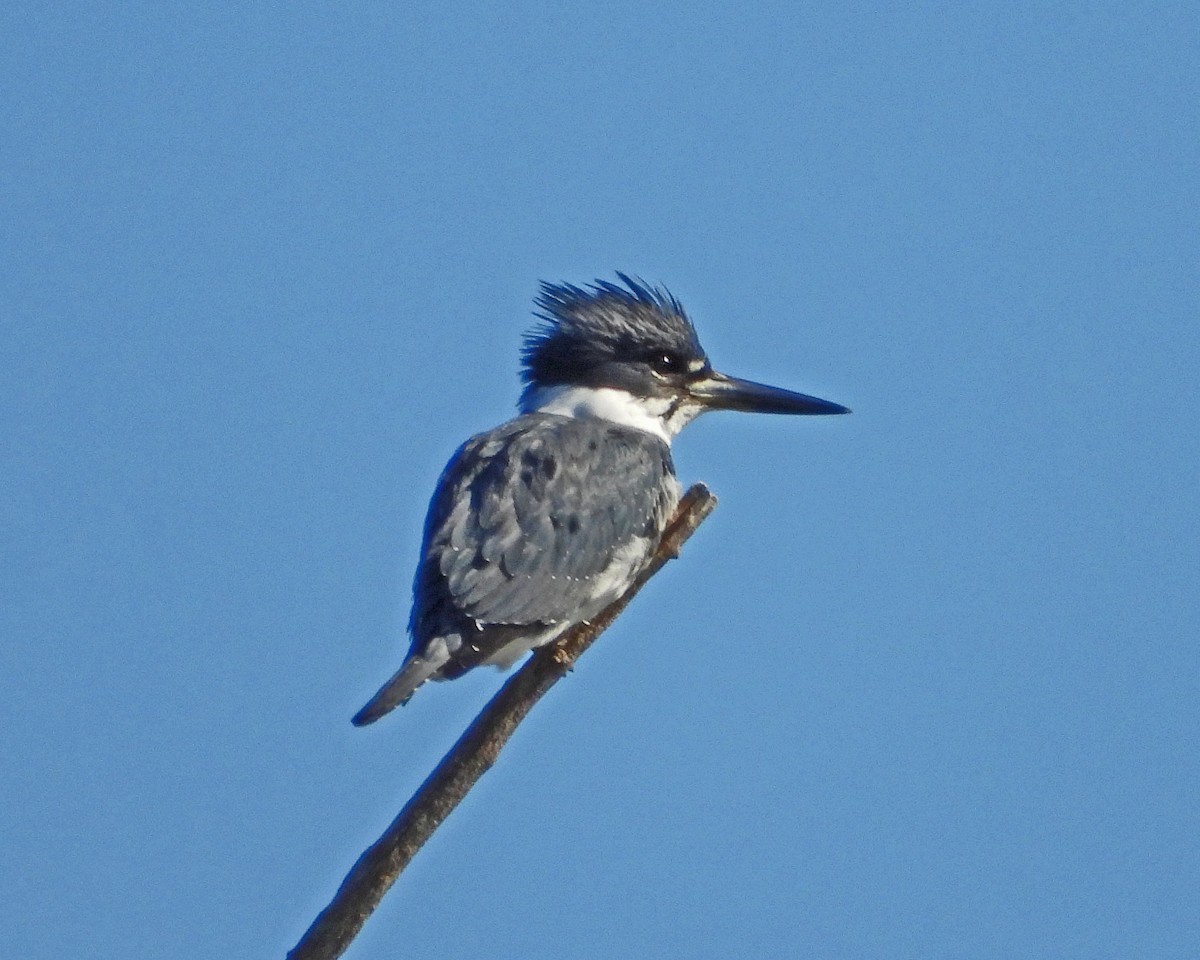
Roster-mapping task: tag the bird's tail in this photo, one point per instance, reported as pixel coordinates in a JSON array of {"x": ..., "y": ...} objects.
[{"x": 398, "y": 690}]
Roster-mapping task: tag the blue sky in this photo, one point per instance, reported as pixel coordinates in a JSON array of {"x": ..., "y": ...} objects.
[{"x": 926, "y": 683}]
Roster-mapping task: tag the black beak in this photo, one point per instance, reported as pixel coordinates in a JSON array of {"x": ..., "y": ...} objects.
[{"x": 719, "y": 392}]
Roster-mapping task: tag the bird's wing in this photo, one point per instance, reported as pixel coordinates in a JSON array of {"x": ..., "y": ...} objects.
[{"x": 541, "y": 520}]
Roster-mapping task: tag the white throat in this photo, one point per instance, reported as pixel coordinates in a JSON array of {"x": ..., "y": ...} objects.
[{"x": 660, "y": 416}]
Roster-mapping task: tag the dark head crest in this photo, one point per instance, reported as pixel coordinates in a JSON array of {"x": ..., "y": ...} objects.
[{"x": 585, "y": 329}]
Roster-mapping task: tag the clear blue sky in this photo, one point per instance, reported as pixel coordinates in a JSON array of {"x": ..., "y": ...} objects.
[{"x": 926, "y": 684}]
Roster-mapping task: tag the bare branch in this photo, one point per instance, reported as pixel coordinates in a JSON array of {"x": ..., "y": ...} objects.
[{"x": 473, "y": 754}]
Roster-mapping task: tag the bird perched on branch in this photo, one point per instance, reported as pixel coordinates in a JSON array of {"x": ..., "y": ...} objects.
[{"x": 542, "y": 522}]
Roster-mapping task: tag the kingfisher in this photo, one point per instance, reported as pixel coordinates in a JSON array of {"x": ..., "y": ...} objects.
[{"x": 542, "y": 522}]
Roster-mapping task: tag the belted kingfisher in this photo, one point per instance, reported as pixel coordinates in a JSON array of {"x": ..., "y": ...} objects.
[{"x": 541, "y": 522}]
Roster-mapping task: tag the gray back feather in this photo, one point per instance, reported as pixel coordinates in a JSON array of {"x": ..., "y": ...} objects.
[{"x": 527, "y": 520}]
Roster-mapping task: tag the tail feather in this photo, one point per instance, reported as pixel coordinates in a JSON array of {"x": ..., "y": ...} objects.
[{"x": 397, "y": 691}]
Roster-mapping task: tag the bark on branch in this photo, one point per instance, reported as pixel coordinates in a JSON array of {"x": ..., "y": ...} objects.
[{"x": 474, "y": 753}]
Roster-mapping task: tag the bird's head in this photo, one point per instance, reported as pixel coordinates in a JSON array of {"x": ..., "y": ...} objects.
[{"x": 630, "y": 354}]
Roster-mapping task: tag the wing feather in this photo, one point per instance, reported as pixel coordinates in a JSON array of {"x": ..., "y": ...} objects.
[{"x": 533, "y": 520}]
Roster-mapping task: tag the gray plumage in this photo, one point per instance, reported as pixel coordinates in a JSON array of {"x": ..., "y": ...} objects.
[
  {"x": 537, "y": 524},
  {"x": 527, "y": 520},
  {"x": 543, "y": 521}
]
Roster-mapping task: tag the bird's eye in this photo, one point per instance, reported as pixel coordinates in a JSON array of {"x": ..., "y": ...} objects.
[{"x": 665, "y": 364}]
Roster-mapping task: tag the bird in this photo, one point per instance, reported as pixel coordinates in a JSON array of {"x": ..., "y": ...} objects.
[{"x": 542, "y": 522}]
